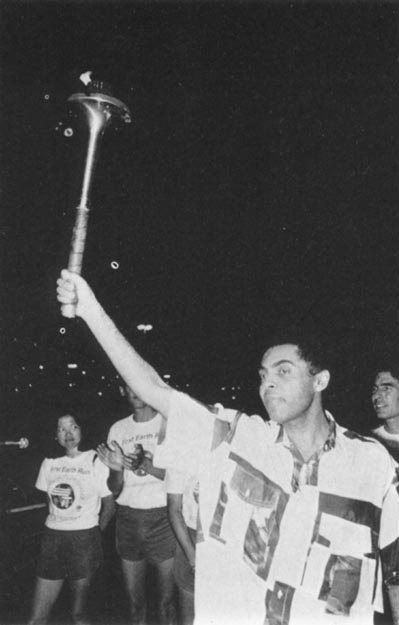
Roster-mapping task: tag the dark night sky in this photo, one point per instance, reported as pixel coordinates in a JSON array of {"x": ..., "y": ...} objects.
[{"x": 258, "y": 184}]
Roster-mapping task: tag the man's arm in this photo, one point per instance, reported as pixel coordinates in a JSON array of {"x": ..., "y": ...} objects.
[
  {"x": 137, "y": 373},
  {"x": 149, "y": 467},
  {"x": 175, "y": 512},
  {"x": 107, "y": 511}
]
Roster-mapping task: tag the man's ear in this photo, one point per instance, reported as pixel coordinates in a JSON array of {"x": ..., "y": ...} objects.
[{"x": 321, "y": 380}]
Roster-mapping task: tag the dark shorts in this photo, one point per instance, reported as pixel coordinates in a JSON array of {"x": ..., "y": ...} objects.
[
  {"x": 184, "y": 574},
  {"x": 144, "y": 534},
  {"x": 75, "y": 554}
]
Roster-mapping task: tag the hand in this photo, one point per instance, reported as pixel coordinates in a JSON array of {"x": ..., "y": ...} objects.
[
  {"x": 73, "y": 289},
  {"x": 112, "y": 456},
  {"x": 136, "y": 458}
]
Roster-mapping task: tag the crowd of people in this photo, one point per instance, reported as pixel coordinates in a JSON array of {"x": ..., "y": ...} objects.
[{"x": 290, "y": 520}]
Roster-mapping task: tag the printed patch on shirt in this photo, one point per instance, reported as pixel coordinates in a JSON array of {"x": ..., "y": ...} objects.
[
  {"x": 278, "y": 604},
  {"x": 265, "y": 502},
  {"x": 341, "y": 584},
  {"x": 216, "y": 525},
  {"x": 354, "y": 510},
  {"x": 62, "y": 496}
]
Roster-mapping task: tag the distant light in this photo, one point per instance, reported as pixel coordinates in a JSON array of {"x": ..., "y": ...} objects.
[
  {"x": 70, "y": 384},
  {"x": 72, "y": 365},
  {"x": 47, "y": 97},
  {"x": 62, "y": 330},
  {"x": 41, "y": 367},
  {"x": 145, "y": 327},
  {"x": 30, "y": 385},
  {"x": 68, "y": 132},
  {"x": 233, "y": 397},
  {"x": 16, "y": 390},
  {"x": 99, "y": 393},
  {"x": 103, "y": 377},
  {"x": 23, "y": 367},
  {"x": 115, "y": 264},
  {"x": 167, "y": 376},
  {"x": 223, "y": 388},
  {"x": 83, "y": 372}
]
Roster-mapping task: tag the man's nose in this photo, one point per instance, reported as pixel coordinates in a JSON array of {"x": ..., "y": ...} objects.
[{"x": 268, "y": 382}]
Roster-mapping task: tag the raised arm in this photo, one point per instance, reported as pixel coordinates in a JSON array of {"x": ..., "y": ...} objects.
[{"x": 137, "y": 373}]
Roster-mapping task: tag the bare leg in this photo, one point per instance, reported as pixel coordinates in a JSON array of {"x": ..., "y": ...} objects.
[
  {"x": 79, "y": 593},
  {"x": 44, "y": 598},
  {"x": 165, "y": 584},
  {"x": 135, "y": 575}
]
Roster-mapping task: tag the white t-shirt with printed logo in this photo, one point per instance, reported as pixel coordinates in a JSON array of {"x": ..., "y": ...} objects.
[
  {"x": 139, "y": 491},
  {"x": 74, "y": 487}
]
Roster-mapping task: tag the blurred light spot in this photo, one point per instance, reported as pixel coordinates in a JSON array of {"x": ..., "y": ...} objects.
[
  {"x": 83, "y": 372},
  {"x": 144, "y": 327},
  {"x": 68, "y": 132},
  {"x": 167, "y": 376},
  {"x": 30, "y": 385},
  {"x": 47, "y": 97},
  {"x": 115, "y": 264},
  {"x": 85, "y": 77},
  {"x": 62, "y": 330},
  {"x": 72, "y": 365},
  {"x": 99, "y": 393},
  {"x": 23, "y": 367},
  {"x": 16, "y": 389}
]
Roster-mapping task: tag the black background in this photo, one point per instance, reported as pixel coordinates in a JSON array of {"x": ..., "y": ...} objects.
[{"x": 256, "y": 186}]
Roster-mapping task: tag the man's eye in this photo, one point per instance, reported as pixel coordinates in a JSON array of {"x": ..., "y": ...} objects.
[{"x": 284, "y": 370}]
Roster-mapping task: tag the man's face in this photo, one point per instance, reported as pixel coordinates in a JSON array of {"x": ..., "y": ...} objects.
[
  {"x": 385, "y": 395},
  {"x": 287, "y": 388}
]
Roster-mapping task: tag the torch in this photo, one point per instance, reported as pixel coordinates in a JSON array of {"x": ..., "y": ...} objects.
[{"x": 100, "y": 109}]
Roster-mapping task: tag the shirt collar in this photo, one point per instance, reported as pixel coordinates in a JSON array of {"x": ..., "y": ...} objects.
[{"x": 329, "y": 443}]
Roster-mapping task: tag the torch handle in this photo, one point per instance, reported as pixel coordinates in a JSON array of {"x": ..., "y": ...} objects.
[{"x": 76, "y": 252}]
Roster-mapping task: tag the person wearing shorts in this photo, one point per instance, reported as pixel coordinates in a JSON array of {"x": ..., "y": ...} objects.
[
  {"x": 145, "y": 541},
  {"x": 80, "y": 506}
]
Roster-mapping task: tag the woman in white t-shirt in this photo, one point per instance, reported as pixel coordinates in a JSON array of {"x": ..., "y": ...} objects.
[{"x": 80, "y": 505}]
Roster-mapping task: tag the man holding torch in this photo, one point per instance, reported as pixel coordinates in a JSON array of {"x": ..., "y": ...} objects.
[{"x": 298, "y": 516}]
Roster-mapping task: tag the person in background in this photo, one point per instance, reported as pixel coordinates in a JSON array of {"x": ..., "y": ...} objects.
[
  {"x": 145, "y": 541},
  {"x": 385, "y": 399},
  {"x": 80, "y": 507}
]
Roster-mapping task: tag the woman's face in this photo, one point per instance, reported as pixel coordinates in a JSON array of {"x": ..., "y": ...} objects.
[{"x": 69, "y": 433}]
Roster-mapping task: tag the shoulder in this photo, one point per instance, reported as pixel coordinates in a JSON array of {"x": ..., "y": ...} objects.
[
  {"x": 257, "y": 429},
  {"x": 364, "y": 446},
  {"x": 122, "y": 424}
]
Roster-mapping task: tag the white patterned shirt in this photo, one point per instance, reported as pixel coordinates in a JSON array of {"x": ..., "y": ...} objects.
[{"x": 283, "y": 542}]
